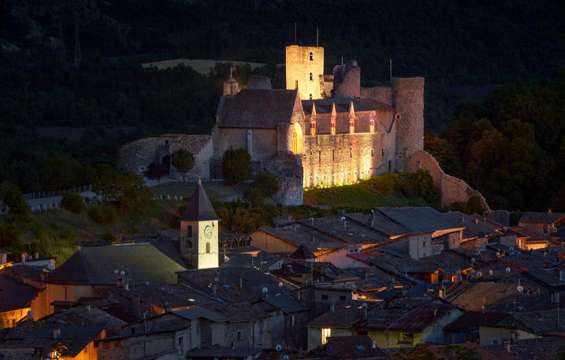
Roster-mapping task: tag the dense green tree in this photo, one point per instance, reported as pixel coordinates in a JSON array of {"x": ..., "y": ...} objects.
[
  {"x": 266, "y": 183},
  {"x": 126, "y": 190},
  {"x": 236, "y": 166},
  {"x": 73, "y": 202},
  {"x": 183, "y": 161}
]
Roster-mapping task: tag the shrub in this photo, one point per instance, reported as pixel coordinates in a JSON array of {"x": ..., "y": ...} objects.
[
  {"x": 183, "y": 161},
  {"x": 267, "y": 183},
  {"x": 418, "y": 184},
  {"x": 102, "y": 214},
  {"x": 73, "y": 202},
  {"x": 255, "y": 197},
  {"x": 236, "y": 166}
]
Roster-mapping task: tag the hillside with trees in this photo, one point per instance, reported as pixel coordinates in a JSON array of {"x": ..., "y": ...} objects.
[{"x": 73, "y": 90}]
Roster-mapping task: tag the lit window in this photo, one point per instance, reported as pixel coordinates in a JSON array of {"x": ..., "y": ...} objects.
[{"x": 326, "y": 333}]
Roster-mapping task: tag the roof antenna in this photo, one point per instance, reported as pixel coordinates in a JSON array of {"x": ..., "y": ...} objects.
[{"x": 317, "y": 36}]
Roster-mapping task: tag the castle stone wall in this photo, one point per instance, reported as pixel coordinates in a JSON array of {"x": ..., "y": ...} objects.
[
  {"x": 342, "y": 158},
  {"x": 378, "y": 93},
  {"x": 260, "y": 143},
  {"x": 452, "y": 189},
  {"x": 408, "y": 98}
]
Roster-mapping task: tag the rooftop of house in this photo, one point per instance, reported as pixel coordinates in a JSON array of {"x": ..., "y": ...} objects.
[
  {"x": 396, "y": 221},
  {"x": 241, "y": 284},
  {"x": 342, "y": 228},
  {"x": 103, "y": 265},
  {"x": 15, "y": 294},
  {"x": 342, "y": 316},
  {"x": 219, "y": 352},
  {"x": 475, "y": 225},
  {"x": 69, "y": 331},
  {"x": 347, "y": 347},
  {"x": 298, "y": 234},
  {"x": 542, "y": 218}
]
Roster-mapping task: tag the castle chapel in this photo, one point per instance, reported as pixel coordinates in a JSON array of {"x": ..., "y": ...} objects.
[{"x": 322, "y": 130}]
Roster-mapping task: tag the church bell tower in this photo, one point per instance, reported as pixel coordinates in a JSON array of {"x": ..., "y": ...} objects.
[{"x": 199, "y": 231}]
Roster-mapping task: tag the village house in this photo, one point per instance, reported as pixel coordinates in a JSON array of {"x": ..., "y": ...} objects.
[{"x": 100, "y": 267}]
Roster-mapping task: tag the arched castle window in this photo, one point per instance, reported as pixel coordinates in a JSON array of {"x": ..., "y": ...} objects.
[
  {"x": 311, "y": 57},
  {"x": 296, "y": 140}
]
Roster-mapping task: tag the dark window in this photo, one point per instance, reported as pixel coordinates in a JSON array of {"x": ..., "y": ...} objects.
[
  {"x": 311, "y": 57},
  {"x": 189, "y": 231},
  {"x": 372, "y": 153},
  {"x": 238, "y": 335},
  {"x": 181, "y": 340},
  {"x": 311, "y": 77},
  {"x": 383, "y": 152},
  {"x": 207, "y": 248},
  {"x": 342, "y": 298},
  {"x": 310, "y": 96},
  {"x": 324, "y": 297}
]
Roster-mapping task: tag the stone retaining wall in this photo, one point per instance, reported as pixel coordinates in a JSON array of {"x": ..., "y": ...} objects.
[{"x": 452, "y": 189}]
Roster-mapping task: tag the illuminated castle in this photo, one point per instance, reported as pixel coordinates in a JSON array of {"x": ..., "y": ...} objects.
[{"x": 322, "y": 130}]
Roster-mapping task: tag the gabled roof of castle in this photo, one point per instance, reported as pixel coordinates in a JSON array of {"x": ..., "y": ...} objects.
[
  {"x": 257, "y": 108},
  {"x": 199, "y": 207}
]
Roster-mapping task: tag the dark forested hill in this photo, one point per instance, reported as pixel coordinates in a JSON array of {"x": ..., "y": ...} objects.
[{"x": 74, "y": 63}]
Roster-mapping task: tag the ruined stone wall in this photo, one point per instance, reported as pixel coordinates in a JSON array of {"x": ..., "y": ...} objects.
[
  {"x": 408, "y": 99},
  {"x": 138, "y": 155},
  {"x": 452, "y": 189}
]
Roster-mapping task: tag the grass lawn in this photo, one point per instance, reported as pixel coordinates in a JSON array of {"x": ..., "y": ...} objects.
[{"x": 361, "y": 196}]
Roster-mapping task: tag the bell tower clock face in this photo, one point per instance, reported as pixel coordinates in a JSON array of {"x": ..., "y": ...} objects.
[{"x": 208, "y": 232}]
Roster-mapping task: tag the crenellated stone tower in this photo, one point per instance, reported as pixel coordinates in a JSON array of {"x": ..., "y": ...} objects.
[{"x": 304, "y": 67}]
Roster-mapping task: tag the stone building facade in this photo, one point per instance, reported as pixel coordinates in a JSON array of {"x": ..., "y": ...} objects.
[{"x": 322, "y": 130}]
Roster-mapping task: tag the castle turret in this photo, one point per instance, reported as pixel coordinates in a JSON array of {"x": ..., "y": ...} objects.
[
  {"x": 304, "y": 66},
  {"x": 408, "y": 99},
  {"x": 231, "y": 86},
  {"x": 347, "y": 80}
]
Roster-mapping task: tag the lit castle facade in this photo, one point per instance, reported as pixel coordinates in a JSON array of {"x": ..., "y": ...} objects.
[{"x": 322, "y": 130}]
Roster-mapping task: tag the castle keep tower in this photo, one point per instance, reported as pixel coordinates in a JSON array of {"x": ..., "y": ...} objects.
[
  {"x": 199, "y": 231},
  {"x": 305, "y": 70},
  {"x": 408, "y": 99}
]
